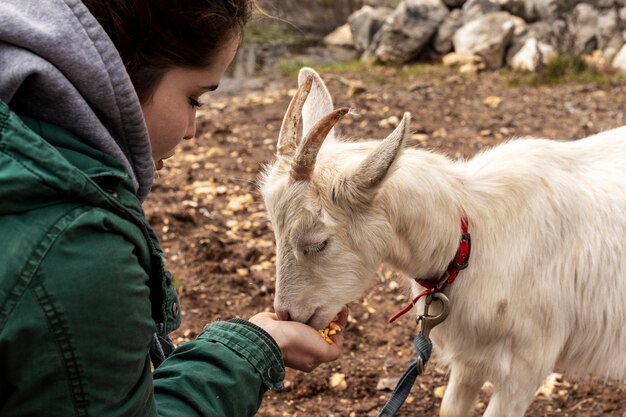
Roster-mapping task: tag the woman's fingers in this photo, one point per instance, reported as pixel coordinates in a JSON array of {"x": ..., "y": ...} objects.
[{"x": 301, "y": 345}]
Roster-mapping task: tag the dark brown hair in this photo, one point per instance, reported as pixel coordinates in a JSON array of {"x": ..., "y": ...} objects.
[{"x": 153, "y": 36}]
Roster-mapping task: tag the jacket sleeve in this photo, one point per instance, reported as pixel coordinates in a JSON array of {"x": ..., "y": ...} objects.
[{"x": 224, "y": 372}]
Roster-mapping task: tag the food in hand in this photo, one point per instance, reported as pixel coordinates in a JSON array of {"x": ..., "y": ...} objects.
[{"x": 331, "y": 329}]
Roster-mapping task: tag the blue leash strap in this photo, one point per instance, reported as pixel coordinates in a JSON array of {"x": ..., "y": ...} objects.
[{"x": 424, "y": 348}]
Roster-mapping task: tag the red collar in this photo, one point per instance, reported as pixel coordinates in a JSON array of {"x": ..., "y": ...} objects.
[{"x": 459, "y": 263}]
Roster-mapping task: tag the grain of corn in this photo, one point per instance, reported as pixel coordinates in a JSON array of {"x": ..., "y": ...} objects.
[{"x": 331, "y": 329}]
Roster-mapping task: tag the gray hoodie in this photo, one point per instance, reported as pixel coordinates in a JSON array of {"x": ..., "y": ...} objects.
[{"x": 58, "y": 65}]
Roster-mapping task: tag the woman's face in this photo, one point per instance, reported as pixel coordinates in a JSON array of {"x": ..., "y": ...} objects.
[{"x": 170, "y": 113}]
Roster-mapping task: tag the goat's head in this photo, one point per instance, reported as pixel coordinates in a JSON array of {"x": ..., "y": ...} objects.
[{"x": 320, "y": 200}]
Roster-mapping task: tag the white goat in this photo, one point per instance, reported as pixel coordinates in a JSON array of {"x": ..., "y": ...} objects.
[{"x": 546, "y": 283}]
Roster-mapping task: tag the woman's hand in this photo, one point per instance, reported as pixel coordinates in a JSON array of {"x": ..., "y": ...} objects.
[{"x": 301, "y": 345}]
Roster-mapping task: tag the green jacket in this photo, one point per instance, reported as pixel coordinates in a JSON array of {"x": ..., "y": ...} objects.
[{"x": 82, "y": 288}]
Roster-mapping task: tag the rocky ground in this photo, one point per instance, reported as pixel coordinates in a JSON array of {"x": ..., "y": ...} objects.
[{"x": 210, "y": 218}]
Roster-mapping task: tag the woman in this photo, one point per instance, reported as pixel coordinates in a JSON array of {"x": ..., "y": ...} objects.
[{"x": 94, "y": 96}]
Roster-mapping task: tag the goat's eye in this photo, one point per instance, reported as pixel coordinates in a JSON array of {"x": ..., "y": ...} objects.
[{"x": 316, "y": 247}]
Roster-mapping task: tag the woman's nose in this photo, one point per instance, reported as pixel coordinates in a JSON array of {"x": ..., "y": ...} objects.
[{"x": 191, "y": 127}]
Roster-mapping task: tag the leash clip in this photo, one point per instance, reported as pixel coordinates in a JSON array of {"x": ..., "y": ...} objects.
[{"x": 428, "y": 322}]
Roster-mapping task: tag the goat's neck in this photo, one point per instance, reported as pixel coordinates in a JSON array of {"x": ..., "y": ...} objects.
[
  {"x": 422, "y": 199},
  {"x": 426, "y": 196}
]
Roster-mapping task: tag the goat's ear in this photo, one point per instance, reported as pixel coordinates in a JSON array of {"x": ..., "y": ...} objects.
[
  {"x": 363, "y": 183},
  {"x": 318, "y": 103}
]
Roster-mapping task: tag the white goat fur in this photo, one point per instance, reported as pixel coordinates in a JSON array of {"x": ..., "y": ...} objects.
[{"x": 546, "y": 284}]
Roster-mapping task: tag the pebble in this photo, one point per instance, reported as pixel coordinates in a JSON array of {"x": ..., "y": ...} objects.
[{"x": 338, "y": 382}]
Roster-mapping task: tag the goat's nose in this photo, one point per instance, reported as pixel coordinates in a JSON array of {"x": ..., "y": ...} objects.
[{"x": 283, "y": 315}]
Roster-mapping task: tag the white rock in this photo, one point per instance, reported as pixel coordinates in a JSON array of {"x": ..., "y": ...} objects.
[
  {"x": 342, "y": 36},
  {"x": 528, "y": 58},
  {"x": 548, "y": 53},
  {"x": 619, "y": 62},
  {"x": 438, "y": 392},
  {"x": 488, "y": 36},
  {"x": 338, "y": 382},
  {"x": 548, "y": 386},
  {"x": 532, "y": 55},
  {"x": 456, "y": 59},
  {"x": 387, "y": 384}
]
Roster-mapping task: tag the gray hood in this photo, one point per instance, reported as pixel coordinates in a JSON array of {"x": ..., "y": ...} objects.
[{"x": 58, "y": 65}]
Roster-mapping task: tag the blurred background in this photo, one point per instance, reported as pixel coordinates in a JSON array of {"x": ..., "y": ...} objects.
[{"x": 528, "y": 36}]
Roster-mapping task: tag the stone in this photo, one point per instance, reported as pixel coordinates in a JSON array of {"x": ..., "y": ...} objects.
[
  {"x": 407, "y": 30},
  {"x": 553, "y": 33},
  {"x": 442, "y": 43},
  {"x": 364, "y": 23},
  {"x": 342, "y": 36},
  {"x": 590, "y": 28},
  {"x": 438, "y": 392},
  {"x": 532, "y": 56},
  {"x": 338, "y": 382},
  {"x": 387, "y": 384},
  {"x": 456, "y": 59},
  {"x": 492, "y": 101},
  {"x": 582, "y": 26},
  {"x": 608, "y": 31},
  {"x": 548, "y": 387},
  {"x": 489, "y": 36},
  {"x": 548, "y": 38},
  {"x": 551, "y": 10},
  {"x": 619, "y": 62},
  {"x": 527, "y": 58},
  {"x": 474, "y": 9}
]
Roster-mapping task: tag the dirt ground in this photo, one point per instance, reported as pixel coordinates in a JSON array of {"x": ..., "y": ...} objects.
[{"x": 210, "y": 218}]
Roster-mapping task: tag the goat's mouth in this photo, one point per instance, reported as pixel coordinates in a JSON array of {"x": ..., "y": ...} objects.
[
  {"x": 312, "y": 318},
  {"x": 321, "y": 317},
  {"x": 316, "y": 316}
]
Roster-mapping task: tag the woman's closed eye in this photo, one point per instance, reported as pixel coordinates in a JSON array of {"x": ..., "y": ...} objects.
[
  {"x": 315, "y": 247},
  {"x": 194, "y": 103}
]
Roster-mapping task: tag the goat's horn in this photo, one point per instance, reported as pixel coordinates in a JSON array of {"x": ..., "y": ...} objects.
[
  {"x": 289, "y": 128},
  {"x": 303, "y": 164}
]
